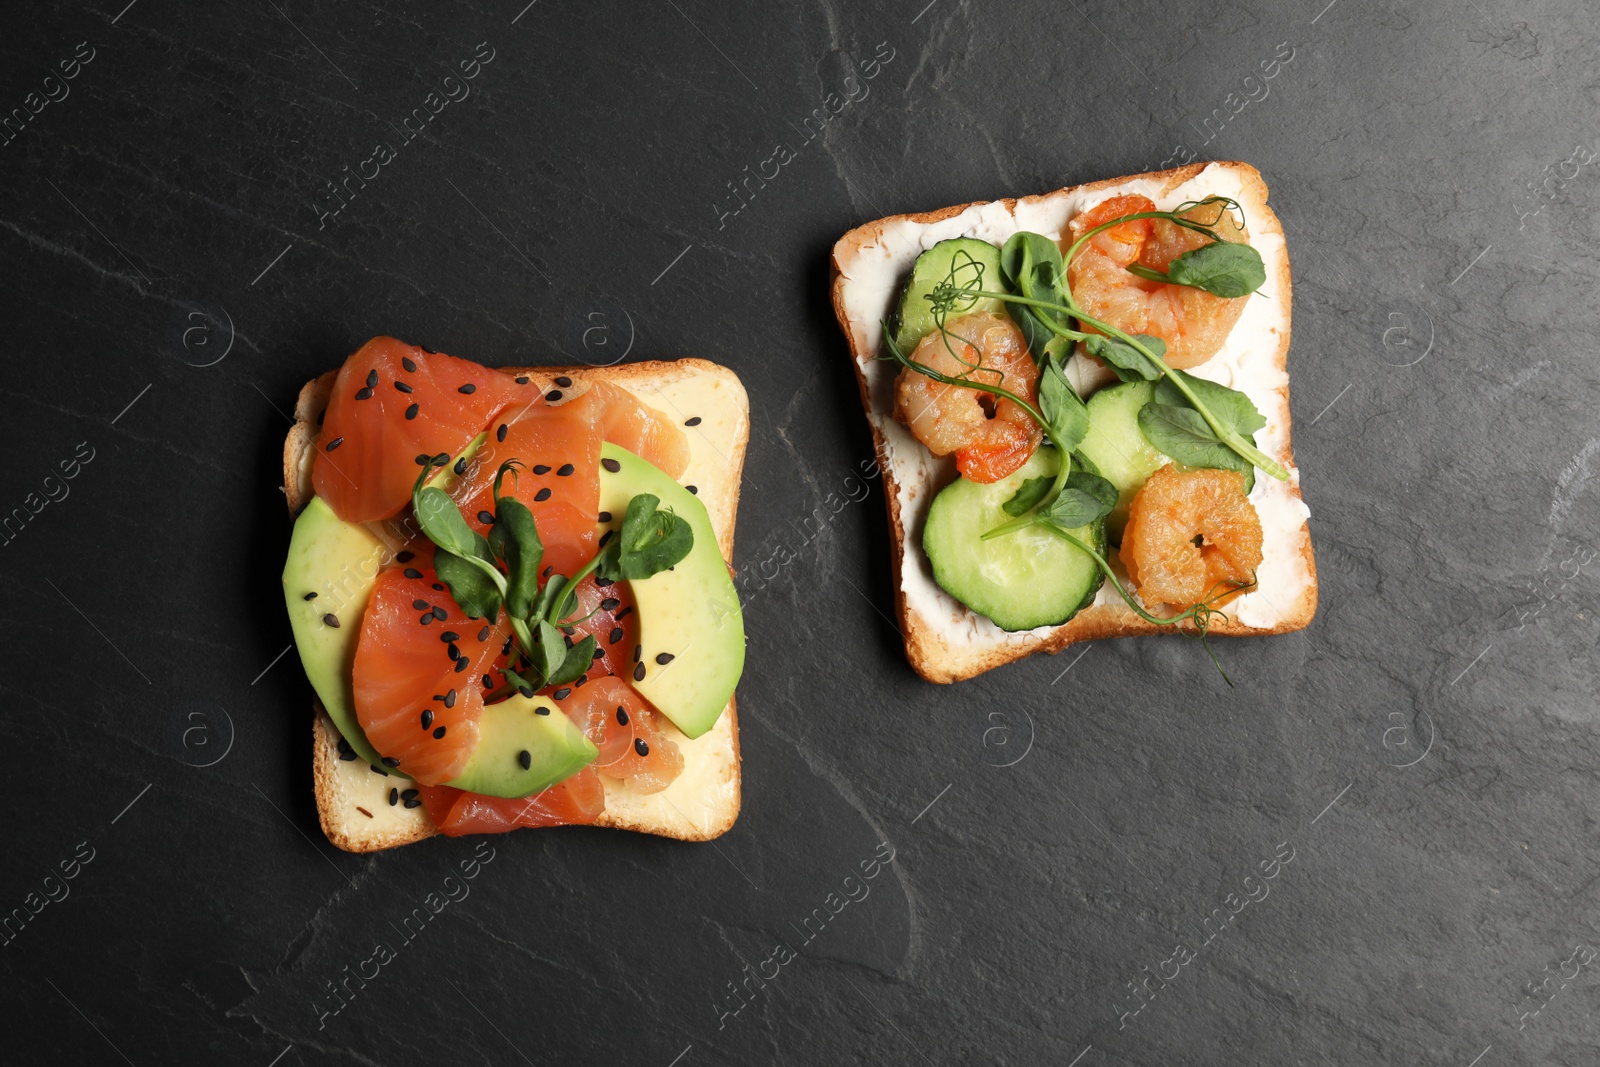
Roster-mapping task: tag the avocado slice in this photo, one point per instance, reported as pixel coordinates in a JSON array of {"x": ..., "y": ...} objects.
[
  {"x": 339, "y": 562},
  {"x": 690, "y": 625},
  {"x": 531, "y": 726}
]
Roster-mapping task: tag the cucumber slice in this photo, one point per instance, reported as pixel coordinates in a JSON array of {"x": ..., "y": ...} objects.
[
  {"x": 1118, "y": 448},
  {"x": 914, "y": 319},
  {"x": 1023, "y": 580}
]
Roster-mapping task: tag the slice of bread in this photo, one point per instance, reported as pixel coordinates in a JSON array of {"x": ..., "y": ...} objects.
[
  {"x": 946, "y": 642},
  {"x": 702, "y": 803}
]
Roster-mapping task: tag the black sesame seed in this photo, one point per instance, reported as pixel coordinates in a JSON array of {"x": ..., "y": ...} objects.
[
  {"x": 638, "y": 673},
  {"x": 394, "y": 796},
  {"x": 640, "y": 747},
  {"x": 638, "y": 653},
  {"x": 561, "y": 694},
  {"x": 567, "y": 640},
  {"x": 622, "y": 715},
  {"x": 420, "y": 604},
  {"x": 412, "y": 803},
  {"x": 331, "y": 619},
  {"x": 611, "y": 465},
  {"x": 624, "y": 613},
  {"x": 412, "y": 572},
  {"x": 462, "y": 664},
  {"x": 310, "y": 596},
  {"x": 427, "y": 619},
  {"x": 606, "y": 537},
  {"x": 483, "y": 634},
  {"x": 454, "y": 652},
  {"x": 408, "y": 794},
  {"x": 345, "y": 751},
  {"x": 543, "y": 494},
  {"x": 527, "y": 692},
  {"x": 581, "y": 682},
  {"x": 411, "y": 412},
  {"x": 604, "y": 516},
  {"x": 364, "y": 393},
  {"x": 565, "y": 470},
  {"x": 403, "y": 387},
  {"x": 563, "y": 381},
  {"x": 438, "y": 588},
  {"x": 616, "y": 635},
  {"x": 440, "y": 614},
  {"x": 333, "y": 444},
  {"x": 500, "y": 434},
  {"x": 409, "y": 364},
  {"x": 461, "y": 465},
  {"x": 441, "y": 459},
  {"x": 610, "y": 603},
  {"x": 488, "y": 682},
  {"x": 541, "y": 710},
  {"x": 438, "y": 733},
  {"x": 695, "y": 421},
  {"x": 422, "y": 457},
  {"x": 522, "y": 381},
  {"x": 664, "y": 658},
  {"x": 450, "y": 699},
  {"x": 372, "y": 378},
  {"x": 524, "y": 759},
  {"x": 377, "y": 769},
  {"x": 603, "y": 582},
  {"x": 405, "y": 557},
  {"x": 391, "y": 761},
  {"x": 427, "y": 718},
  {"x": 468, "y": 389},
  {"x": 692, "y": 489},
  {"x": 553, "y": 395},
  {"x": 597, "y": 655},
  {"x": 546, "y": 572},
  {"x": 541, "y": 468},
  {"x": 505, "y": 649},
  {"x": 487, "y": 518}
]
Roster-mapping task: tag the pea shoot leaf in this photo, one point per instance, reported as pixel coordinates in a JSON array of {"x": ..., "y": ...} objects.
[
  {"x": 441, "y": 520},
  {"x": 1064, "y": 411},
  {"x": 1125, "y": 360},
  {"x": 469, "y": 584},
  {"x": 1183, "y": 434},
  {"x": 515, "y": 539},
  {"x": 575, "y": 664},
  {"x": 1085, "y": 499},
  {"x": 1222, "y": 268},
  {"x": 1028, "y": 495},
  {"x": 652, "y": 539},
  {"x": 1229, "y": 406},
  {"x": 1031, "y": 266}
]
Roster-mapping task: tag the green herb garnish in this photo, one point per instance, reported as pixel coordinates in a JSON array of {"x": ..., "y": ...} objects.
[{"x": 488, "y": 575}]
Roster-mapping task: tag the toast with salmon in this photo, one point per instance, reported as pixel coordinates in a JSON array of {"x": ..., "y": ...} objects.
[
  {"x": 359, "y": 802},
  {"x": 945, "y": 639}
]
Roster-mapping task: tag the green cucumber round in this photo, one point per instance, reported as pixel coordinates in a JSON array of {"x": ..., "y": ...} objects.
[
  {"x": 1117, "y": 446},
  {"x": 914, "y": 318},
  {"x": 1023, "y": 580}
]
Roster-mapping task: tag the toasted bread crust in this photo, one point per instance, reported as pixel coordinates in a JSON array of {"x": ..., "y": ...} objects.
[
  {"x": 927, "y": 651},
  {"x": 342, "y": 820}
]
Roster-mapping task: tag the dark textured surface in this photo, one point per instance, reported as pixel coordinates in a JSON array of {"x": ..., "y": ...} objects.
[{"x": 1062, "y": 829}]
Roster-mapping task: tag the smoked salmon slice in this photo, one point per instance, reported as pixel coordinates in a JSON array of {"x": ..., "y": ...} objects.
[
  {"x": 418, "y": 676},
  {"x": 391, "y": 403},
  {"x": 642, "y": 430},
  {"x": 559, "y": 480},
  {"x": 577, "y": 801}
]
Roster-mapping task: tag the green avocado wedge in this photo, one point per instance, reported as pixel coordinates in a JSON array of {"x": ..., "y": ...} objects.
[
  {"x": 691, "y": 628},
  {"x": 519, "y": 727},
  {"x": 335, "y": 563}
]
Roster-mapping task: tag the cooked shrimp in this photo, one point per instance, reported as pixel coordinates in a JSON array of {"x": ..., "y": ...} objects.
[
  {"x": 991, "y": 436},
  {"x": 1191, "y": 534},
  {"x": 1191, "y": 321}
]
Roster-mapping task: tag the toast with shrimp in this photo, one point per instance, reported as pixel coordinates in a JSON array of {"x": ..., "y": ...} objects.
[
  {"x": 357, "y": 799},
  {"x": 1242, "y": 541}
]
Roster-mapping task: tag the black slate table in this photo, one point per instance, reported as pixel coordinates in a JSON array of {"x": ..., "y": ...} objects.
[{"x": 1071, "y": 853}]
